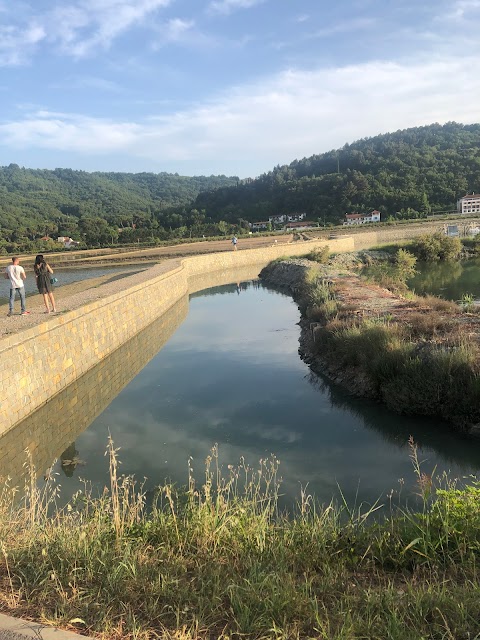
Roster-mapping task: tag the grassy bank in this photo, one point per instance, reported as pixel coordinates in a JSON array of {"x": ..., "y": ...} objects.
[
  {"x": 220, "y": 561},
  {"x": 420, "y": 356}
]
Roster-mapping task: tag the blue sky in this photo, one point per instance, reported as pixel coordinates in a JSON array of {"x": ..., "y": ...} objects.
[{"x": 225, "y": 86}]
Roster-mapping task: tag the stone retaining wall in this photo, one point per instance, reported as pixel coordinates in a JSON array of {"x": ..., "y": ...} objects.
[{"x": 41, "y": 361}]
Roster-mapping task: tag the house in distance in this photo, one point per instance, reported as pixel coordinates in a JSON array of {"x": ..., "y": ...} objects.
[
  {"x": 469, "y": 204},
  {"x": 362, "y": 218}
]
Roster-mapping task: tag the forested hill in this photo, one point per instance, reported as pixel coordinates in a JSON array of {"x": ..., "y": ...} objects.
[
  {"x": 34, "y": 203},
  {"x": 403, "y": 174}
]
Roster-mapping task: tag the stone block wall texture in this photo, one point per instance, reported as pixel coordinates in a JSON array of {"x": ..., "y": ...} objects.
[{"x": 38, "y": 363}]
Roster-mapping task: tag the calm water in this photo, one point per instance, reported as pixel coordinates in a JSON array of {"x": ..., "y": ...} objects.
[
  {"x": 67, "y": 276},
  {"x": 231, "y": 375},
  {"x": 448, "y": 281}
]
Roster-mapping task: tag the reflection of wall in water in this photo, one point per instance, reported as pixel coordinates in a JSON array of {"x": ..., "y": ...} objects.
[
  {"x": 51, "y": 429},
  {"x": 220, "y": 278},
  {"x": 96, "y": 329}
]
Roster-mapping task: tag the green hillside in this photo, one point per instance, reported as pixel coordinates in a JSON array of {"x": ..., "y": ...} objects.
[
  {"x": 92, "y": 206},
  {"x": 404, "y": 174}
]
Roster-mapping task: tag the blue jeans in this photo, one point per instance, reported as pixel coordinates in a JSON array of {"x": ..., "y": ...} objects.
[{"x": 21, "y": 293}]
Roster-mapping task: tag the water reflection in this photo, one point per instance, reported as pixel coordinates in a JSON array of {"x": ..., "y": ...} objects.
[
  {"x": 448, "y": 280},
  {"x": 231, "y": 374},
  {"x": 49, "y": 432},
  {"x": 69, "y": 460},
  {"x": 429, "y": 434}
]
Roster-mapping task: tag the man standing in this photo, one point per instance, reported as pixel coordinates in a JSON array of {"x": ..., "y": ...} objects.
[
  {"x": 16, "y": 274},
  {"x": 234, "y": 243}
]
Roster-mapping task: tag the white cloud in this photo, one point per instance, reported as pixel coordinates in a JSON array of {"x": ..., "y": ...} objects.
[
  {"x": 59, "y": 131},
  {"x": 461, "y": 9},
  {"x": 227, "y": 6},
  {"x": 77, "y": 29},
  {"x": 16, "y": 44},
  {"x": 346, "y": 26},
  {"x": 176, "y": 28},
  {"x": 251, "y": 128},
  {"x": 178, "y": 31},
  {"x": 91, "y": 24},
  {"x": 86, "y": 82}
]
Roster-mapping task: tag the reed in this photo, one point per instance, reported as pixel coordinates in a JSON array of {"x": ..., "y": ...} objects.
[{"x": 220, "y": 559}]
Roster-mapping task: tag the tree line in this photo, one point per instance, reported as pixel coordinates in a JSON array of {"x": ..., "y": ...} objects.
[
  {"x": 407, "y": 174},
  {"x": 96, "y": 209}
]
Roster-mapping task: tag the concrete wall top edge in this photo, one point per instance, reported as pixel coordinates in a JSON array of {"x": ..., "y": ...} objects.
[{"x": 191, "y": 265}]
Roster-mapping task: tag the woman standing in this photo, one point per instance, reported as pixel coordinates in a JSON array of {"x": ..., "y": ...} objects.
[{"x": 42, "y": 274}]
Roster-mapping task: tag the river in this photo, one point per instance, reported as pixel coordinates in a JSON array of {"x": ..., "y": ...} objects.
[
  {"x": 230, "y": 374},
  {"x": 450, "y": 280}
]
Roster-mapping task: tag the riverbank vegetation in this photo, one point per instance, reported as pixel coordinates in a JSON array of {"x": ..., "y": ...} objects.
[
  {"x": 418, "y": 355},
  {"x": 437, "y": 246},
  {"x": 222, "y": 560}
]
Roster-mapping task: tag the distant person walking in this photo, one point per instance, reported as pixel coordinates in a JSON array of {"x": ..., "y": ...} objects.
[
  {"x": 16, "y": 274},
  {"x": 43, "y": 271},
  {"x": 234, "y": 243}
]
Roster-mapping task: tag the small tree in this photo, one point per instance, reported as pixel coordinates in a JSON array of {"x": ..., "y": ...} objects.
[{"x": 405, "y": 263}]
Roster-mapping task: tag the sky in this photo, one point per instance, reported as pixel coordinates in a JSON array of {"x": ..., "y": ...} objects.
[{"x": 232, "y": 87}]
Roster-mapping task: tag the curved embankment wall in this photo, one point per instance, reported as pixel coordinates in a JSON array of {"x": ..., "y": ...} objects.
[{"x": 41, "y": 361}]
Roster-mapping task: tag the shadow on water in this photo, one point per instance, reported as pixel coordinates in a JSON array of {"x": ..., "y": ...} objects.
[{"x": 427, "y": 433}]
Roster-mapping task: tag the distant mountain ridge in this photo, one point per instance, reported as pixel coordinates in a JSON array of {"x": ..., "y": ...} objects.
[
  {"x": 408, "y": 173},
  {"x": 34, "y": 201}
]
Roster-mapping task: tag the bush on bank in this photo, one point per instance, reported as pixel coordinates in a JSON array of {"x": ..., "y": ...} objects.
[
  {"x": 437, "y": 246},
  {"x": 221, "y": 560}
]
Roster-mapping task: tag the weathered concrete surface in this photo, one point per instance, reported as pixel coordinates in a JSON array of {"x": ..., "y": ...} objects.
[{"x": 18, "y": 629}]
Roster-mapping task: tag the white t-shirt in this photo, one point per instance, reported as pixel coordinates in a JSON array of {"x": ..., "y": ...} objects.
[{"x": 15, "y": 272}]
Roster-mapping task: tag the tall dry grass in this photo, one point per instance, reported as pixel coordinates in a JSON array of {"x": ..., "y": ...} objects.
[{"x": 220, "y": 559}]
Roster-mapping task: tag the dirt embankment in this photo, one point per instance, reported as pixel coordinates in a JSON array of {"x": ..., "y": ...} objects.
[{"x": 418, "y": 356}]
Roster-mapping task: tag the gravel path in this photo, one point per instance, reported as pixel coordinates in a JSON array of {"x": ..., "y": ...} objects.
[{"x": 76, "y": 295}]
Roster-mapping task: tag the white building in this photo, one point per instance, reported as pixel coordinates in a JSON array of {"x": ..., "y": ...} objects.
[
  {"x": 67, "y": 242},
  {"x": 259, "y": 226},
  {"x": 296, "y": 217},
  {"x": 469, "y": 204},
  {"x": 362, "y": 218},
  {"x": 291, "y": 217},
  {"x": 278, "y": 219}
]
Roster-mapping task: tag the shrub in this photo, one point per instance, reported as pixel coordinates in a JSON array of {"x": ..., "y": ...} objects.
[
  {"x": 437, "y": 246},
  {"x": 427, "y": 325},
  {"x": 319, "y": 255},
  {"x": 405, "y": 263},
  {"x": 393, "y": 275}
]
